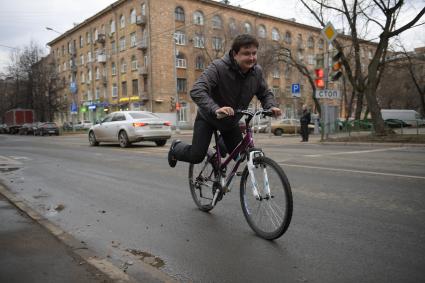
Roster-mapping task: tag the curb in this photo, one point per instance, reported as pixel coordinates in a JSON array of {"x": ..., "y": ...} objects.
[{"x": 104, "y": 266}]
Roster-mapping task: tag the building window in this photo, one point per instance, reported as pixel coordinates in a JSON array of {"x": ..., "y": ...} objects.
[
  {"x": 81, "y": 41},
  {"x": 275, "y": 34},
  {"x": 199, "y": 63},
  {"x": 89, "y": 58},
  {"x": 97, "y": 73},
  {"x": 233, "y": 29},
  {"x": 217, "y": 23},
  {"x": 181, "y": 85},
  {"x": 198, "y": 18},
  {"x": 180, "y": 61},
  {"x": 288, "y": 71},
  {"x": 122, "y": 43},
  {"x": 180, "y": 38},
  {"x": 288, "y": 37},
  {"x": 370, "y": 54},
  {"x": 134, "y": 65},
  {"x": 133, "y": 39},
  {"x": 123, "y": 88},
  {"x": 89, "y": 97},
  {"x": 113, "y": 69},
  {"x": 82, "y": 77},
  {"x": 96, "y": 34},
  {"x": 247, "y": 28},
  {"x": 179, "y": 14},
  {"x": 310, "y": 59},
  {"x": 89, "y": 76},
  {"x": 113, "y": 47},
  {"x": 135, "y": 87},
  {"x": 276, "y": 91},
  {"x": 217, "y": 43},
  {"x": 132, "y": 16},
  {"x": 64, "y": 66},
  {"x": 276, "y": 73},
  {"x": 123, "y": 66},
  {"x": 122, "y": 21},
  {"x": 310, "y": 42},
  {"x": 112, "y": 26},
  {"x": 114, "y": 90},
  {"x": 88, "y": 35},
  {"x": 321, "y": 43},
  {"x": 143, "y": 9},
  {"x": 97, "y": 94},
  {"x": 82, "y": 59},
  {"x": 262, "y": 31},
  {"x": 198, "y": 41}
]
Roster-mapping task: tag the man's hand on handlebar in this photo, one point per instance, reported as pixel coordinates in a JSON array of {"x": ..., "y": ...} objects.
[
  {"x": 276, "y": 111},
  {"x": 224, "y": 112}
]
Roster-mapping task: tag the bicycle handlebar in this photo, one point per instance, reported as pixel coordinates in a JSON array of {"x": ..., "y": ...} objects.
[{"x": 265, "y": 112}]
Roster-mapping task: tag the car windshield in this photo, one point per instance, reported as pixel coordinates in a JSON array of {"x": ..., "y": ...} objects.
[{"x": 139, "y": 115}]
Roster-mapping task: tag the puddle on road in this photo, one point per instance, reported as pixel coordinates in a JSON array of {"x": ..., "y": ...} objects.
[{"x": 147, "y": 258}]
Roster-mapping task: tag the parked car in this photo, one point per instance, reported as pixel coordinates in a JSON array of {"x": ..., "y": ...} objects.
[
  {"x": 126, "y": 127},
  {"x": 26, "y": 129},
  {"x": 288, "y": 126},
  {"x": 48, "y": 128},
  {"x": 84, "y": 125},
  {"x": 396, "y": 123},
  {"x": 3, "y": 129}
]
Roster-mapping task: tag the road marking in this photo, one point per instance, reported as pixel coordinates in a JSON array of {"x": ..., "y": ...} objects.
[
  {"x": 354, "y": 171},
  {"x": 352, "y": 152}
]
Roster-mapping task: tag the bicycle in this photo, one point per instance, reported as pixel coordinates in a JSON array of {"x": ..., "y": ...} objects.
[{"x": 263, "y": 183}]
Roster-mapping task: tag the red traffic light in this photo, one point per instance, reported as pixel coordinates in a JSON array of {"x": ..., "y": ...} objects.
[
  {"x": 319, "y": 73},
  {"x": 320, "y": 83}
]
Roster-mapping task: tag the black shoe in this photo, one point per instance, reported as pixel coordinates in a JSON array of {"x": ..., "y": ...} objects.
[{"x": 172, "y": 161}]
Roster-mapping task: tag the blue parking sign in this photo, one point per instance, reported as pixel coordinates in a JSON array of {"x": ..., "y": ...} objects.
[{"x": 296, "y": 90}]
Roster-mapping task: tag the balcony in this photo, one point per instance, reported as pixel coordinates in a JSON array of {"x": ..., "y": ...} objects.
[
  {"x": 143, "y": 71},
  {"x": 142, "y": 45},
  {"x": 101, "y": 38},
  {"x": 141, "y": 20},
  {"x": 101, "y": 58}
]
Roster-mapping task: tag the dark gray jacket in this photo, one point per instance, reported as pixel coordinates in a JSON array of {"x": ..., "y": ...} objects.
[{"x": 223, "y": 84}]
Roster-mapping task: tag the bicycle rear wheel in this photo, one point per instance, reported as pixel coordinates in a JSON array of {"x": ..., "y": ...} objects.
[
  {"x": 202, "y": 183},
  {"x": 270, "y": 214}
]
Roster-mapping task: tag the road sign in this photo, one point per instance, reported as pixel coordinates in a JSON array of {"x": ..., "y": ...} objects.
[
  {"x": 73, "y": 87},
  {"x": 329, "y": 32},
  {"x": 74, "y": 108},
  {"x": 296, "y": 90},
  {"x": 328, "y": 93}
]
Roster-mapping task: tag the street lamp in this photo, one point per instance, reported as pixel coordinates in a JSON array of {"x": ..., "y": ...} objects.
[{"x": 51, "y": 29}]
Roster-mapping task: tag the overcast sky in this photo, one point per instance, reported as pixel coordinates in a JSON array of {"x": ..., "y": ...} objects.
[{"x": 24, "y": 20}]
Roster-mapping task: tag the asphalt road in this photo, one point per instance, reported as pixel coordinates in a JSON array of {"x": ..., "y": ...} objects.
[{"x": 359, "y": 211}]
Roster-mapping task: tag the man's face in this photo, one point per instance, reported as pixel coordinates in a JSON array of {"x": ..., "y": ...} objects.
[{"x": 246, "y": 57}]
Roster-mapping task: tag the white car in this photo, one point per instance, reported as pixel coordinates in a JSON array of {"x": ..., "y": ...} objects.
[{"x": 126, "y": 127}]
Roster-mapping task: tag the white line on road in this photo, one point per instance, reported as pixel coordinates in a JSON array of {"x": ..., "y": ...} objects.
[
  {"x": 352, "y": 152},
  {"x": 354, "y": 171}
]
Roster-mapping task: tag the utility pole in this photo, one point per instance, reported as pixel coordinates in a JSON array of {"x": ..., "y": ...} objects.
[{"x": 175, "y": 83}]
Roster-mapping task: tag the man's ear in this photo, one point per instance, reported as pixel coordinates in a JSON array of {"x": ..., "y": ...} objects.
[{"x": 233, "y": 53}]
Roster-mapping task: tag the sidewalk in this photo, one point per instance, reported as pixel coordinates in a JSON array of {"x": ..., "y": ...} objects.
[{"x": 33, "y": 249}]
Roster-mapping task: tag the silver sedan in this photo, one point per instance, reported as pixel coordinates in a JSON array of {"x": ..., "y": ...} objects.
[{"x": 126, "y": 127}]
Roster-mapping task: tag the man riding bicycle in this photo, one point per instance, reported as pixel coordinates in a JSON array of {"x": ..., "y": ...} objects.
[{"x": 228, "y": 83}]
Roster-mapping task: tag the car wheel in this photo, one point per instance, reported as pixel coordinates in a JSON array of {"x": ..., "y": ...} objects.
[
  {"x": 278, "y": 132},
  {"x": 161, "y": 142},
  {"x": 123, "y": 139},
  {"x": 92, "y": 139}
]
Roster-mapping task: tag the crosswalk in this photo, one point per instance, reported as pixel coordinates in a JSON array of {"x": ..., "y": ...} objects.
[{"x": 11, "y": 163}]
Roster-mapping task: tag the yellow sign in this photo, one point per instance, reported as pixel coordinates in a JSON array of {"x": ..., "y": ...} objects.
[{"x": 329, "y": 32}]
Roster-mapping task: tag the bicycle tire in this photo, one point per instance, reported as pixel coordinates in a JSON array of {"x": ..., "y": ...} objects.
[
  {"x": 202, "y": 183},
  {"x": 272, "y": 226}
]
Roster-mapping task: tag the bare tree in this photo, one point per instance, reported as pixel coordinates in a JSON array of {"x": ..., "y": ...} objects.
[{"x": 358, "y": 14}]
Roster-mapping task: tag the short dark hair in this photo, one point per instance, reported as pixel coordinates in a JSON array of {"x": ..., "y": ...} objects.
[{"x": 244, "y": 40}]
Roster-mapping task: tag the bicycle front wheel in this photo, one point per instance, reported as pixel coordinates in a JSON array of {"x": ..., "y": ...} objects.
[
  {"x": 269, "y": 212},
  {"x": 202, "y": 183}
]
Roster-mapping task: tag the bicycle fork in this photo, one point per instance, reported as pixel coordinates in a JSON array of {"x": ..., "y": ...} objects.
[{"x": 251, "y": 167}]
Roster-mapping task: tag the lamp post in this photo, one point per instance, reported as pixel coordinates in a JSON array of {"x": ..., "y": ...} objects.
[
  {"x": 72, "y": 110},
  {"x": 175, "y": 80}
]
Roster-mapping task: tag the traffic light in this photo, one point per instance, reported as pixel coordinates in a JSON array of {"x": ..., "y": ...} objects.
[
  {"x": 319, "y": 81},
  {"x": 336, "y": 67}
]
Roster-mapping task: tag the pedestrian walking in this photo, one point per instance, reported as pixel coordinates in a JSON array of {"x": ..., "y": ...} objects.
[{"x": 304, "y": 121}]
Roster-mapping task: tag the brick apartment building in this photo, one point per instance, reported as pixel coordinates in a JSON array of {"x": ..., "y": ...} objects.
[{"x": 146, "y": 55}]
